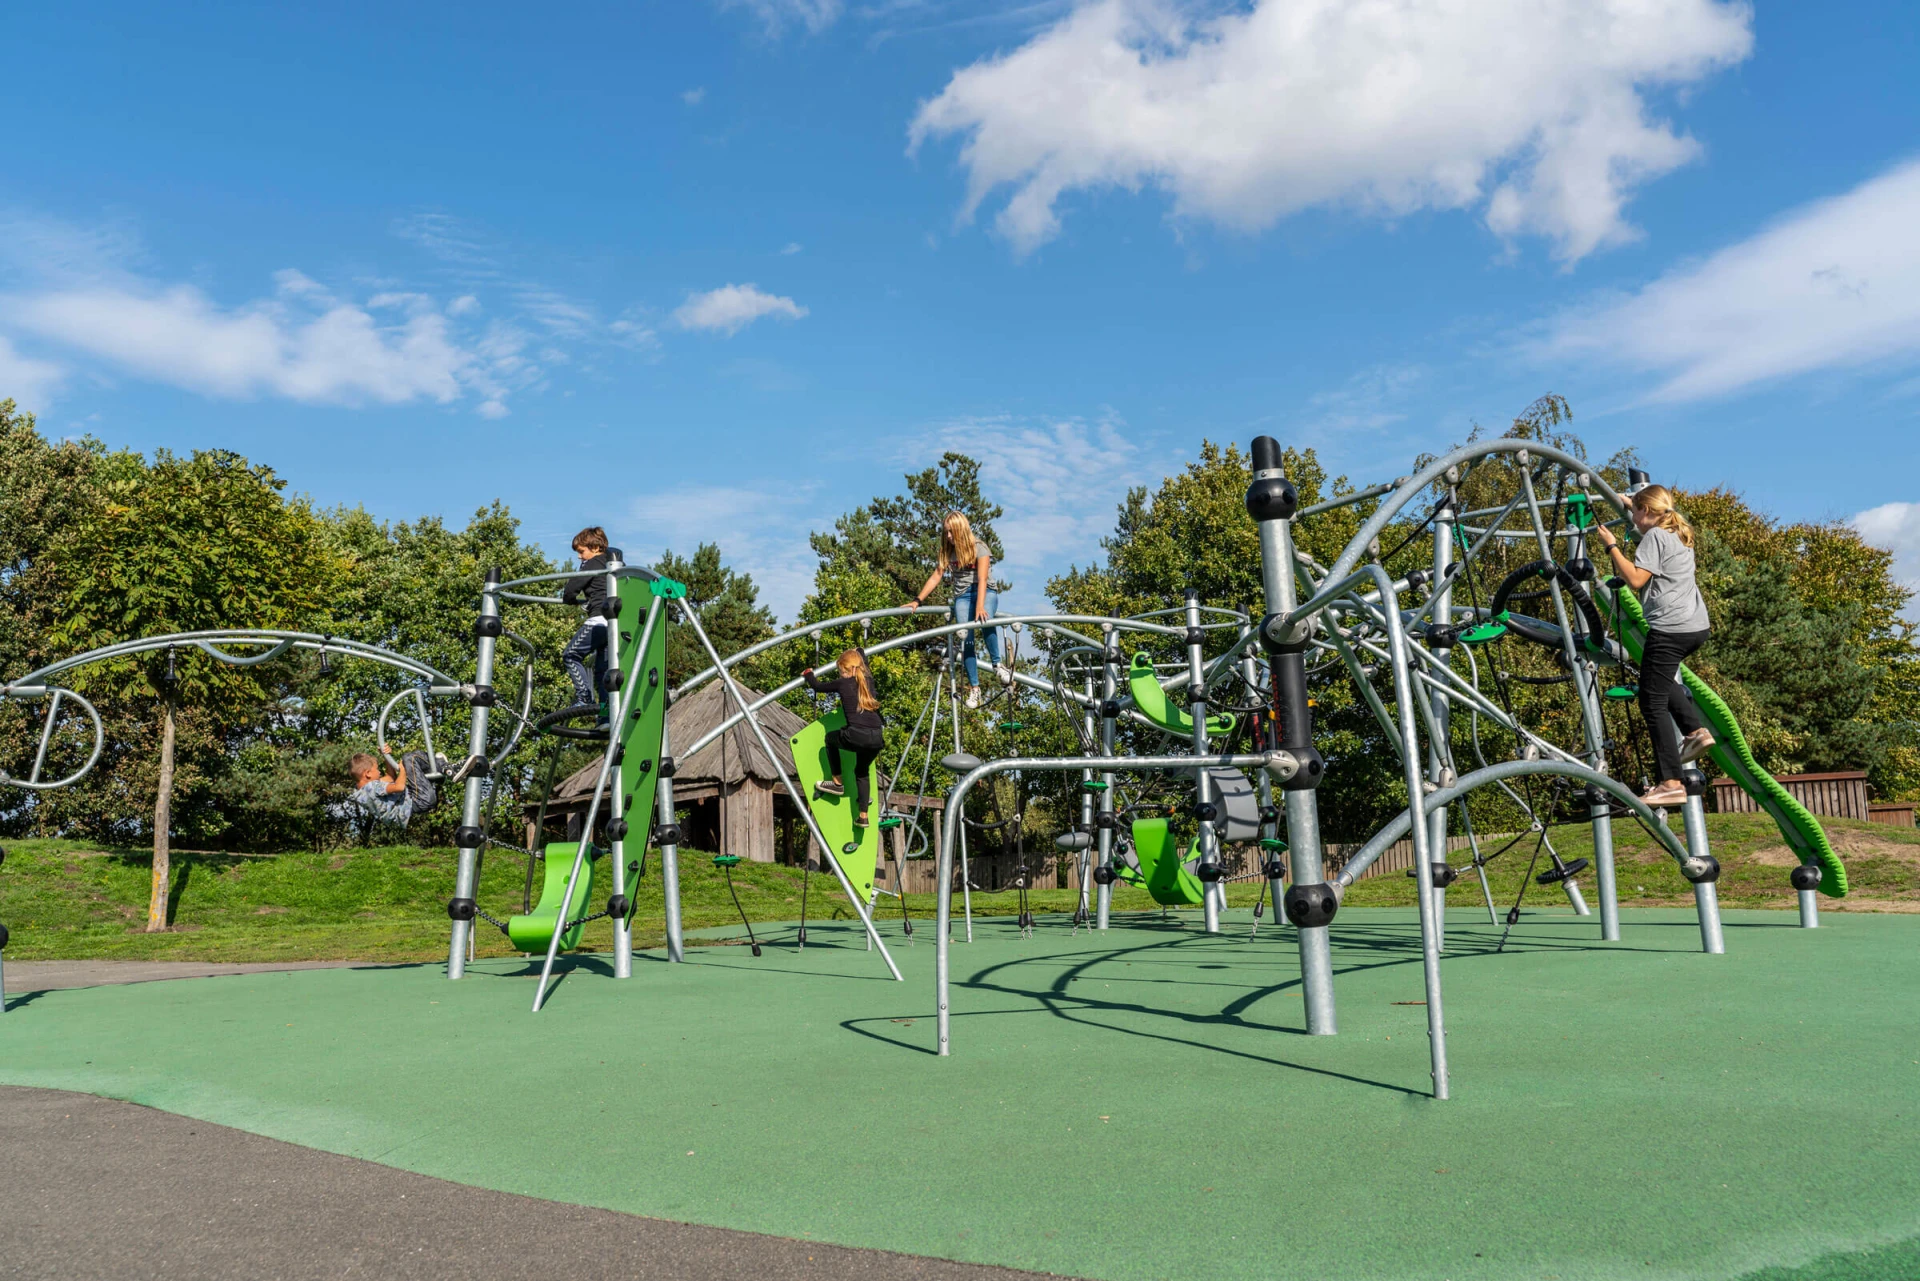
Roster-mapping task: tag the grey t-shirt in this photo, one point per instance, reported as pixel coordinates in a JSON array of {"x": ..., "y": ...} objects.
[
  {"x": 394, "y": 807},
  {"x": 1672, "y": 601}
]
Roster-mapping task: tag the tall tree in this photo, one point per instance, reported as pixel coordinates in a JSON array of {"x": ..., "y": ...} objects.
[
  {"x": 728, "y": 603},
  {"x": 191, "y": 544},
  {"x": 898, "y": 538}
]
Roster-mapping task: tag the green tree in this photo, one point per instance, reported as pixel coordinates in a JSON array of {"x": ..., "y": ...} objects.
[
  {"x": 898, "y": 538},
  {"x": 193, "y": 544},
  {"x": 729, "y": 607}
]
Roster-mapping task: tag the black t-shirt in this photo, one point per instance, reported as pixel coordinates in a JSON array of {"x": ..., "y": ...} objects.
[{"x": 848, "y": 688}]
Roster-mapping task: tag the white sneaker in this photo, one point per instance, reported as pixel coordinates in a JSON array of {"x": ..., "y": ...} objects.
[
  {"x": 973, "y": 696},
  {"x": 1004, "y": 672}
]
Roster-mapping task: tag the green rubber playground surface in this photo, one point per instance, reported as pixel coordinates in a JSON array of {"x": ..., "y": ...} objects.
[{"x": 1141, "y": 1104}]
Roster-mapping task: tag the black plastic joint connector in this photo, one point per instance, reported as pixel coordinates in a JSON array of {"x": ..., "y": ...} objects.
[
  {"x": 617, "y": 829},
  {"x": 1442, "y": 637},
  {"x": 667, "y": 767},
  {"x": 1105, "y": 822},
  {"x": 1110, "y": 709},
  {"x": 1115, "y": 658},
  {"x": 480, "y": 696},
  {"x": 1581, "y": 569},
  {"x": 666, "y": 834},
  {"x": 613, "y": 680},
  {"x": 1597, "y": 796},
  {"x": 1195, "y": 636},
  {"x": 468, "y": 837},
  {"x": 610, "y": 607},
  {"x": 1805, "y": 877},
  {"x": 1210, "y": 872},
  {"x": 488, "y": 626},
  {"x": 4, "y": 936},
  {"x": 1418, "y": 578},
  {"x": 1312, "y": 769},
  {"x": 1694, "y": 781},
  {"x": 1207, "y": 812},
  {"x": 1105, "y": 876},
  {"x": 1272, "y": 498},
  {"x": 1311, "y": 906},
  {"x": 461, "y": 909},
  {"x": 1274, "y": 869},
  {"x": 618, "y": 907},
  {"x": 1443, "y": 875}
]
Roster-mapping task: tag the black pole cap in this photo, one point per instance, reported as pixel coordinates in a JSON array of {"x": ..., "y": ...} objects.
[
  {"x": 1266, "y": 453},
  {"x": 1636, "y": 478},
  {"x": 493, "y": 576}
]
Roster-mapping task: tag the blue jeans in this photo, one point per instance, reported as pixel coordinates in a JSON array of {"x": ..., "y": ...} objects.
[{"x": 963, "y": 613}]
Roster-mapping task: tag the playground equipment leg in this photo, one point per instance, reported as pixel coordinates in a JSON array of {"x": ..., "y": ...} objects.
[
  {"x": 1809, "y": 909},
  {"x": 1274, "y": 521},
  {"x": 1604, "y": 875},
  {"x": 669, "y": 856},
  {"x": 1437, "y": 753},
  {"x": 467, "y": 874},
  {"x": 1706, "y": 895},
  {"x": 1103, "y": 904},
  {"x": 1206, "y": 841}
]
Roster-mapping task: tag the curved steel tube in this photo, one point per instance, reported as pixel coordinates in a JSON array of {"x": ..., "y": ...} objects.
[
  {"x": 1398, "y": 828},
  {"x": 1282, "y": 763},
  {"x": 32, "y": 783},
  {"x": 207, "y": 642}
]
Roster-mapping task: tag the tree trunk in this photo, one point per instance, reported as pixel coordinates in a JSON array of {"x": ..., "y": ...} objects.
[{"x": 162, "y": 824}]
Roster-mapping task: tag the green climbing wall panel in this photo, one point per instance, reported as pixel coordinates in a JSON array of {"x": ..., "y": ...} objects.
[{"x": 835, "y": 814}]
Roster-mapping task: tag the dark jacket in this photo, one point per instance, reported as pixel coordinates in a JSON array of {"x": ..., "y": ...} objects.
[
  {"x": 848, "y": 688},
  {"x": 590, "y": 589}
]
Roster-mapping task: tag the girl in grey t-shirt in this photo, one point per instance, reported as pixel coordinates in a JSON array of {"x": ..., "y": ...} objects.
[{"x": 1662, "y": 571}]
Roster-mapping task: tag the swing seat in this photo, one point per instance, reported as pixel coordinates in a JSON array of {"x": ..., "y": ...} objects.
[
  {"x": 533, "y": 932},
  {"x": 1151, "y": 701},
  {"x": 1163, "y": 865}
]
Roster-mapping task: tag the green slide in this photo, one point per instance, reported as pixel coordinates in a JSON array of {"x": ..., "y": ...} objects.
[
  {"x": 534, "y": 931},
  {"x": 1151, "y": 701},
  {"x": 835, "y": 814},
  {"x": 1730, "y": 752},
  {"x": 630, "y": 791},
  {"x": 1163, "y": 865}
]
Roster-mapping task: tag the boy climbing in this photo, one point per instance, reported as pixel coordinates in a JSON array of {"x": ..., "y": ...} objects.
[
  {"x": 589, "y": 590},
  {"x": 397, "y": 799},
  {"x": 1662, "y": 570},
  {"x": 864, "y": 731},
  {"x": 965, "y": 563}
]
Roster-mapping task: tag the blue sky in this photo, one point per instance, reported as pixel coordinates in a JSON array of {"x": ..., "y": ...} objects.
[{"x": 725, "y": 270}]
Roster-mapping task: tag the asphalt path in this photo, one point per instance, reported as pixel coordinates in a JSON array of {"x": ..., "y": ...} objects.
[{"x": 102, "y": 1189}]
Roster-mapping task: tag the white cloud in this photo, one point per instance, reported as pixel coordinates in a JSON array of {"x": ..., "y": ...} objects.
[
  {"x": 777, "y": 15},
  {"x": 1532, "y": 110},
  {"x": 761, "y": 531},
  {"x": 1833, "y": 285},
  {"x": 791, "y": 247},
  {"x": 24, "y": 380},
  {"x": 464, "y": 305},
  {"x": 730, "y": 308},
  {"x": 1896, "y": 527},
  {"x": 695, "y": 96},
  {"x": 1060, "y": 482}
]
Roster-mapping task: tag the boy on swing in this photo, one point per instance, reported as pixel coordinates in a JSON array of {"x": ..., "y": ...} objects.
[{"x": 397, "y": 799}]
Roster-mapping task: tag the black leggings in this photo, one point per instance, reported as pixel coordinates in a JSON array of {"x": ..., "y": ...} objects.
[
  {"x": 865, "y": 745},
  {"x": 1669, "y": 710}
]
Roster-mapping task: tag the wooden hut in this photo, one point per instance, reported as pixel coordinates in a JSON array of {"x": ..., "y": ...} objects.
[{"x": 730, "y": 793}]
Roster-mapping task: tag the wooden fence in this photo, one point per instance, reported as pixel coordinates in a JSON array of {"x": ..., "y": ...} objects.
[{"x": 1840, "y": 795}]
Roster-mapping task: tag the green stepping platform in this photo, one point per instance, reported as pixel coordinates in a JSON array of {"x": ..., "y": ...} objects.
[
  {"x": 1163, "y": 865},
  {"x": 1151, "y": 701}
]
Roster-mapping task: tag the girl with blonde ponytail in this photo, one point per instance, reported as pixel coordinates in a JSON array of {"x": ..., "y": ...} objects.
[
  {"x": 965, "y": 563},
  {"x": 1662, "y": 570}
]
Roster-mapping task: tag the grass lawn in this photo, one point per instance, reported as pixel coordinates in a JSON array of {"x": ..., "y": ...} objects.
[{"x": 69, "y": 900}]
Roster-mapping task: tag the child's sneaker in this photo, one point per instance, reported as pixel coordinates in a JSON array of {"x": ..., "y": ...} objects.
[
  {"x": 973, "y": 696},
  {"x": 1664, "y": 795},
  {"x": 1696, "y": 745},
  {"x": 1004, "y": 672},
  {"x": 830, "y": 787}
]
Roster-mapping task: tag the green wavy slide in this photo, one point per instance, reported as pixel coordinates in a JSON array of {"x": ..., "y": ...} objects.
[{"x": 1803, "y": 833}]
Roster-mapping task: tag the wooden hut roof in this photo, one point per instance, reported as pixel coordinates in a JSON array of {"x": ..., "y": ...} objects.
[{"x": 733, "y": 756}]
